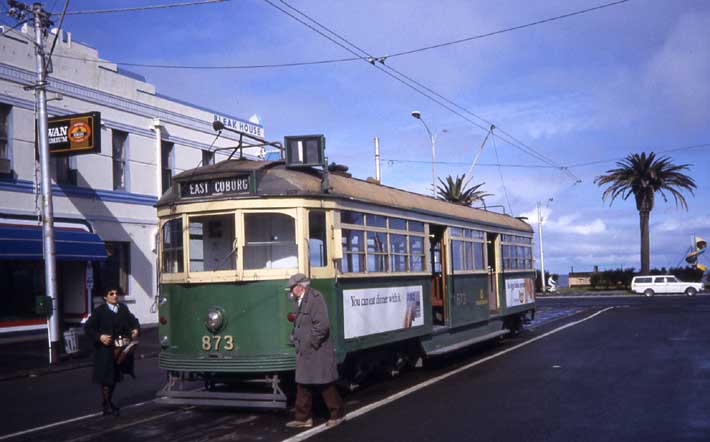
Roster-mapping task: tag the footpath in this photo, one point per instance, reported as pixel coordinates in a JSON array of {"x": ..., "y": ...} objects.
[{"x": 25, "y": 356}]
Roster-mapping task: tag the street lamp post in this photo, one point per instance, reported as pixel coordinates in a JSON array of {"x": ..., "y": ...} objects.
[{"x": 432, "y": 138}]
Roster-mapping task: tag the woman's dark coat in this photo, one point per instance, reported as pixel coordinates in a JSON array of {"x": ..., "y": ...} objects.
[
  {"x": 315, "y": 355},
  {"x": 105, "y": 322}
]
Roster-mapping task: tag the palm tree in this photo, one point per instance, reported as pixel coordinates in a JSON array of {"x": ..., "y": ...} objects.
[
  {"x": 452, "y": 190},
  {"x": 642, "y": 176}
]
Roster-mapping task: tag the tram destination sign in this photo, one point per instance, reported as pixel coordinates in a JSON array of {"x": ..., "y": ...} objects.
[
  {"x": 75, "y": 134},
  {"x": 238, "y": 185}
]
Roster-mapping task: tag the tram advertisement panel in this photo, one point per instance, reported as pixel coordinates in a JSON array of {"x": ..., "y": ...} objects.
[
  {"x": 519, "y": 291},
  {"x": 379, "y": 310}
]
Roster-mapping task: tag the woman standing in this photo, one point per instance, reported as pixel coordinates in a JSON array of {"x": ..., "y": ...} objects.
[{"x": 109, "y": 327}]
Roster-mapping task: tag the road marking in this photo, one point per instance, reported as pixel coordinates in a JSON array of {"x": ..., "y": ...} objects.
[
  {"x": 366, "y": 409},
  {"x": 76, "y": 419}
]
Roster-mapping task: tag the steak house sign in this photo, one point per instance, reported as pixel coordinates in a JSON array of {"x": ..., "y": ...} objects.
[{"x": 239, "y": 185}]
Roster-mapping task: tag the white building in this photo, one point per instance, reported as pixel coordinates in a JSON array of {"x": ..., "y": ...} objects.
[{"x": 145, "y": 139}]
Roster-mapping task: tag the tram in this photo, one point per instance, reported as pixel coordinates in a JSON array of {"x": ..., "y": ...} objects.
[{"x": 405, "y": 276}]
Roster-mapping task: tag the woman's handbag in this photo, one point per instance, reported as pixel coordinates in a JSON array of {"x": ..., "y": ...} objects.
[{"x": 123, "y": 347}]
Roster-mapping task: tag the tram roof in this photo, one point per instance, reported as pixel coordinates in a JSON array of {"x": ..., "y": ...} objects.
[{"x": 273, "y": 179}]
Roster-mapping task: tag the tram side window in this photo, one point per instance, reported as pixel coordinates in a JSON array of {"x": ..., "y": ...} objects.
[
  {"x": 378, "y": 244},
  {"x": 212, "y": 243},
  {"x": 466, "y": 249},
  {"x": 270, "y": 241},
  {"x": 172, "y": 246},
  {"x": 517, "y": 252},
  {"x": 317, "y": 253},
  {"x": 354, "y": 251}
]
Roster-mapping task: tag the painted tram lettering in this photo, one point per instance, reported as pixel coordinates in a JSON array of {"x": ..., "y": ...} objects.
[{"x": 220, "y": 186}]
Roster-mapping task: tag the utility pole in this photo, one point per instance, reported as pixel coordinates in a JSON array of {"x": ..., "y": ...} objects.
[
  {"x": 542, "y": 255},
  {"x": 41, "y": 22},
  {"x": 378, "y": 177}
]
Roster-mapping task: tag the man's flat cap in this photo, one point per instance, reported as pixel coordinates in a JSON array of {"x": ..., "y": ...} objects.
[{"x": 297, "y": 279}]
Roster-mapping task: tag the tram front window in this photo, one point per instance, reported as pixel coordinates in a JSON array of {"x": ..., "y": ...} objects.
[
  {"x": 270, "y": 241},
  {"x": 172, "y": 246},
  {"x": 212, "y": 243}
]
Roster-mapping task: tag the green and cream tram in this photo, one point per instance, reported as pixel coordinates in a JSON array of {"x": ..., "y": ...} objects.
[{"x": 404, "y": 275}]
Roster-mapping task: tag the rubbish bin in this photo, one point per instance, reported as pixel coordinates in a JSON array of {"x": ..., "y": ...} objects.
[{"x": 71, "y": 341}]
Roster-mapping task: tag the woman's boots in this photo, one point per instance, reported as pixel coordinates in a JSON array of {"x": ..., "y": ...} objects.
[{"x": 108, "y": 407}]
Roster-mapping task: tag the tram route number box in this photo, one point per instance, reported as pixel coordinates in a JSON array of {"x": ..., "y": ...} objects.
[
  {"x": 234, "y": 185},
  {"x": 75, "y": 134}
]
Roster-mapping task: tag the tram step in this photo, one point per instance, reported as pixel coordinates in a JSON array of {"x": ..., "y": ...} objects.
[
  {"x": 447, "y": 342},
  {"x": 214, "y": 402},
  {"x": 222, "y": 399}
]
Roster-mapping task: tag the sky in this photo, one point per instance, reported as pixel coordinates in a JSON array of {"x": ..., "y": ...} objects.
[{"x": 580, "y": 93}]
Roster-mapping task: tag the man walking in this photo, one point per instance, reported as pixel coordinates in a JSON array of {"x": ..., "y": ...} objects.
[{"x": 316, "y": 369}]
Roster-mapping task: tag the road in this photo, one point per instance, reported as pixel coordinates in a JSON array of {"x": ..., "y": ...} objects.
[{"x": 587, "y": 369}]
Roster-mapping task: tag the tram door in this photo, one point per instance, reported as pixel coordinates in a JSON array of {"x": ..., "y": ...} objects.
[
  {"x": 491, "y": 243},
  {"x": 438, "y": 282}
]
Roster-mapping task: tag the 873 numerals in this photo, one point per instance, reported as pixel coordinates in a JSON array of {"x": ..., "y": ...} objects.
[{"x": 216, "y": 343}]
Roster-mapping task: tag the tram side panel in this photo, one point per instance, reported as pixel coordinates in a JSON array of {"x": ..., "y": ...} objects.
[
  {"x": 468, "y": 299},
  {"x": 374, "y": 312}
]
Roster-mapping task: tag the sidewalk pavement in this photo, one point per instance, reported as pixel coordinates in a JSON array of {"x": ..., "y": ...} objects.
[{"x": 29, "y": 355}]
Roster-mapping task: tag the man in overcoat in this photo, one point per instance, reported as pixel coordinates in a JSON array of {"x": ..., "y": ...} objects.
[
  {"x": 316, "y": 368},
  {"x": 109, "y": 326}
]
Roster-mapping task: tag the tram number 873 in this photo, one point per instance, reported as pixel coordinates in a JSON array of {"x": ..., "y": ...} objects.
[{"x": 212, "y": 343}]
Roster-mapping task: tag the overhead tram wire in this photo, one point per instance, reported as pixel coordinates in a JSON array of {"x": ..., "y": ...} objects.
[
  {"x": 145, "y": 8},
  {"x": 342, "y": 60},
  {"x": 373, "y": 61}
]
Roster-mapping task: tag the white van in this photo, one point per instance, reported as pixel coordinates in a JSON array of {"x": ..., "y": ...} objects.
[{"x": 650, "y": 285}]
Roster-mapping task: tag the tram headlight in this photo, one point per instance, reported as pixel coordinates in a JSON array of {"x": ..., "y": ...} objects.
[
  {"x": 215, "y": 319},
  {"x": 164, "y": 341}
]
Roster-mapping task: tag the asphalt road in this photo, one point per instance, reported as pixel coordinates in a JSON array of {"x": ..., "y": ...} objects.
[{"x": 638, "y": 371}]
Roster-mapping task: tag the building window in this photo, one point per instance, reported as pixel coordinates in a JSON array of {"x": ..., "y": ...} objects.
[
  {"x": 4, "y": 131},
  {"x": 466, "y": 249},
  {"x": 379, "y": 244},
  {"x": 207, "y": 157},
  {"x": 63, "y": 169},
  {"x": 166, "y": 173},
  {"x": 118, "y": 153},
  {"x": 113, "y": 273},
  {"x": 517, "y": 252}
]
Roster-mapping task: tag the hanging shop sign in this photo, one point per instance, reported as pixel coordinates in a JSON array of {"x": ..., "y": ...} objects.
[{"x": 76, "y": 134}]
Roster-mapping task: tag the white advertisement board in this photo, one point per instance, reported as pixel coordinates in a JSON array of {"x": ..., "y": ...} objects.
[
  {"x": 519, "y": 291},
  {"x": 378, "y": 310}
]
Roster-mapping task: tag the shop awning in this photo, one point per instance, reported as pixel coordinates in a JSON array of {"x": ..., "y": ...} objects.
[{"x": 21, "y": 242}]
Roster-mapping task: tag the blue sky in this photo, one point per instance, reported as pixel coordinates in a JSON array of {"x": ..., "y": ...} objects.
[{"x": 591, "y": 88}]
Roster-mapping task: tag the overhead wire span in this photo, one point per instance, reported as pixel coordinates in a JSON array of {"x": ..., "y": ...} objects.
[
  {"x": 462, "y": 163},
  {"x": 59, "y": 29},
  {"x": 512, "y": 28},
  {"x": 413, "y": 84},
  {"x": 342, "y": 60},
  {"x": 145, "y": 8},
  {"x": 611, "y": 160}
]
